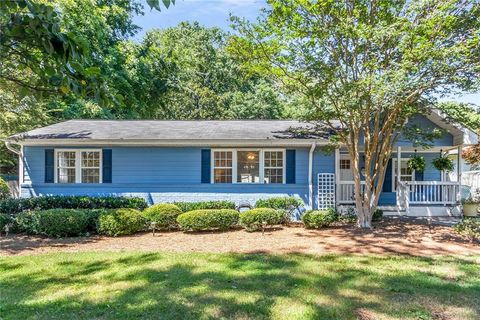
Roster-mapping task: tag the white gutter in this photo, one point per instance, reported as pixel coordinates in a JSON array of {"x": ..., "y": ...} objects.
[
  {"x": 8, "y": 144},
  {"x": 310, "y": 175}
]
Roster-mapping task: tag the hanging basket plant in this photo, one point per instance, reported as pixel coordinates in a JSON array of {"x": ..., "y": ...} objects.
[
  {"x": 443, "y": 164},
  {"x": 417, "y": 163}
]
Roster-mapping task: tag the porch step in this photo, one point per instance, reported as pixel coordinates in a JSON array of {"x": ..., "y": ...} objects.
[{"x": 423, "y": 211}]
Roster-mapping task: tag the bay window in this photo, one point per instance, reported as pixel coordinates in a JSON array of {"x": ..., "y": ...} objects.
[
  {"x": 248, "y": 166},
  {"x": 78, "y": 166}
]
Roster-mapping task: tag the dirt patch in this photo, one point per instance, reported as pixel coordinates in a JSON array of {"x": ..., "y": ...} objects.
[{"x": 389, "y": 237}]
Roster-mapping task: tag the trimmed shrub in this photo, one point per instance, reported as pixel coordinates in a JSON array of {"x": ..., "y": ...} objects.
[
  {"x": 92, "y": 218},
  {"x": 287, "y": 204},
  {"x": 164, "y": 215},
  {"x": 4, "y": 189},
  {"x": 14, "y": 206},
  {"x": 256, "y": 219},
  {"x": 468, "y": 228},
  {"x": 377, "y": 215},
  {"x": 61, "y": 222},
  {"x": 208, "y": 219},
  {"x": 191, "y": 206},
  {"x": 319, "y": 218},
  {"x": 26, "y": 222},
  {"x": 120, "y": 222}
]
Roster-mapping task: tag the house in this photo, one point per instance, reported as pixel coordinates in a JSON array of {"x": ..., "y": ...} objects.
[{"x": 242, "y": 161}]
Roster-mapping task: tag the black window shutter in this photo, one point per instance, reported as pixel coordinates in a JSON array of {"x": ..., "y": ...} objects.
[
  {"x": 387, "y": 183},
  {"x": 290, "y": 166},
  {"x": 206, "y": 158},
  {"x": 107, "y": 166},
  {"x": 49, "y": 165}
]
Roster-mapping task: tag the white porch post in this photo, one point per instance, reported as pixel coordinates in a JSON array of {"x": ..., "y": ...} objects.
[
  {"x": 459, "y": 172},
  {"x": 337, "y": 175}
]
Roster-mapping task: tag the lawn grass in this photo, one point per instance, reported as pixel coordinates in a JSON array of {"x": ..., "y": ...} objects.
[{"x": 126, "y": 285}]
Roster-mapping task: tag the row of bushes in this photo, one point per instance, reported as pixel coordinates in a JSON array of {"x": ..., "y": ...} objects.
[
  {"x": 14, "y": 206},
  {"x": 125, "y": 221}
]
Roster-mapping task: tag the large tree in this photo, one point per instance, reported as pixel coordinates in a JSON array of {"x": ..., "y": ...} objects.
[{"x": 370, "y": 65}]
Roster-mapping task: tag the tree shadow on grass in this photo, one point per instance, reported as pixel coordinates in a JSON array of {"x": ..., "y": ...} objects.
[{"x": 236, "y": 286}]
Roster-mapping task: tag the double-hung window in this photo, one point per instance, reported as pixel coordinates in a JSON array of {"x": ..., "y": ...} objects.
[
  {"x": 78, "y": 166},
  {"x": 223, "y": 166},
  {"x": 273, "y": 166},
  {"x": 248, "y": 166}
]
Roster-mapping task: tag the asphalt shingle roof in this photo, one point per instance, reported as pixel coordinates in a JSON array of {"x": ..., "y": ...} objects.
[{"x": 170, "y": 130}]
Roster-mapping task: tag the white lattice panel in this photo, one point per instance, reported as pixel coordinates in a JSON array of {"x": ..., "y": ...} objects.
[{"x": 326, "y": 190}]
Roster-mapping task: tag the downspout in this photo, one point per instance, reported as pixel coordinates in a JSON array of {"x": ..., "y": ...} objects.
[
  {"x": 310, "y": 175},
  {"x": 9, "y": 146}
]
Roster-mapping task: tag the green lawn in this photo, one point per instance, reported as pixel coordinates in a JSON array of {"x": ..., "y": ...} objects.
[{"x": 109, "y": 285}]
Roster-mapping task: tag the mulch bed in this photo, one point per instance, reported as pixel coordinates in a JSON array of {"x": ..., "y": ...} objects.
[{"x": 392, "y": 236}]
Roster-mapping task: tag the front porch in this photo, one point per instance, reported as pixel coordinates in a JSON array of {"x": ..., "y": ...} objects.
[{"x": 406, "y": 192}]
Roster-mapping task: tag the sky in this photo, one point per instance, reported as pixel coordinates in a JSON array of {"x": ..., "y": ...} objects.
[{"x": 215, "y": 13}]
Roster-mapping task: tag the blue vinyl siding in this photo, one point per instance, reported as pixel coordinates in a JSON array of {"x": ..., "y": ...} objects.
[
  {"x": 422, "y": 122},
  {"x": 161, "y": 175}
]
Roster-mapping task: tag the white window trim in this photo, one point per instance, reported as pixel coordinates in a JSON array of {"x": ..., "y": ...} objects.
[
  {"x": 235, "y": 164},
  {"x": 284, "y": 161},
  {"x": 394, "y": 172},
  {"x": 78, "y": 165}
]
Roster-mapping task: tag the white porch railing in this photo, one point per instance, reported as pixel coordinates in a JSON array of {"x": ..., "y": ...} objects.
[
  {"x": 409, "y": 192},
  {"x": 346, "y": 191},
  {"x": 430, "y": 192}
]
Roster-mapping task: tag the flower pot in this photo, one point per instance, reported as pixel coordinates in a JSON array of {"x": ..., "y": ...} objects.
[{"x": 470, "y": 210}]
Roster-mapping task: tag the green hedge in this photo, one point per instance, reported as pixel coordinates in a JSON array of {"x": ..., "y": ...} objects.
[
  {"x": 256, "y": 219},
  {"x": 377, "y": 215},
  {"x": 53, "y": 223},
  {"x": 208, "y": 219},
  {"x": 120, "y": 222},
  {"x": 14, "y": 206},
  {"x": 164, "y": 215},
  {"x": 62, "y": 222},
  {"x": 319, "y": 218},
  {"x": 190, "y": 206}
]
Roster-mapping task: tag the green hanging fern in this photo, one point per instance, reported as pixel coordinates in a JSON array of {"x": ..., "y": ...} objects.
[
  {"x": 443, "y": 164},
  {"x": 417, "y": 163}
]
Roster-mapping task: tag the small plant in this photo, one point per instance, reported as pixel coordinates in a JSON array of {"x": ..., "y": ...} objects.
[
  {"x": 119, "y": 222},
  {"x": 4, "y": 190},
  {"x": 377, "y": 215},
  {"x": 348, "y": 218},
  {"x": 319, "y": 218},
  {"x": 163, "y": 215},
  {"x": 258, "y": 219},
  {"x": 208, "y": 219},
  {"x": 443, "y": 164},
  {"x": 469, "y": 228},
  {"x": 190, "y": 206},
  {"x": 417, "y": 163}
]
